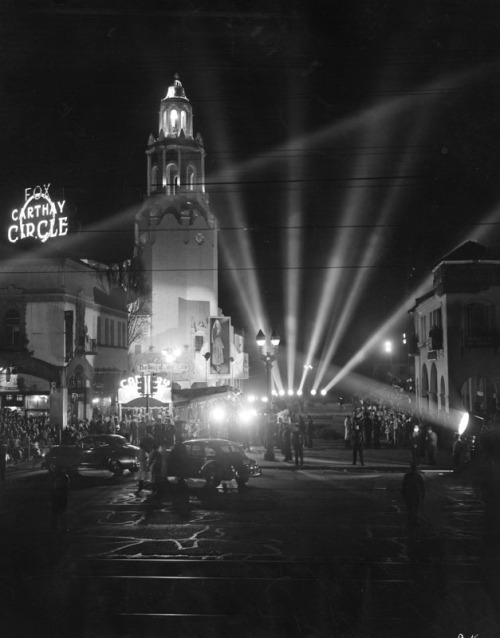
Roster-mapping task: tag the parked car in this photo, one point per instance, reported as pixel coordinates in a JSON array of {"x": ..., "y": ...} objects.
[
  {"x": 213, "y": 460},
  {"x": 99, "y": 451}
]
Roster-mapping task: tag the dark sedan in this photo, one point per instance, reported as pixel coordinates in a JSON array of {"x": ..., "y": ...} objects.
[
  {"x": 99, "y": 451},
  {"x": 214, "y": 460}
]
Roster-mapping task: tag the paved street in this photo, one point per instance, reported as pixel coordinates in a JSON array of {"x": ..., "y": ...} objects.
[{"x": 318, "y": 551}]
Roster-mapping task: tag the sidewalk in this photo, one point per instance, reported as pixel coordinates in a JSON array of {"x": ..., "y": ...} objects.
[
  {"x": 334, "y": 456},
  {"x": 33, "y": 464}
]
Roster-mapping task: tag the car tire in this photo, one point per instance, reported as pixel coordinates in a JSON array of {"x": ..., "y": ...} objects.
[
  {"x": 242, "y": 481},
  {"x": 116, "y": 468},
  {"x": 212, "y": 478}
]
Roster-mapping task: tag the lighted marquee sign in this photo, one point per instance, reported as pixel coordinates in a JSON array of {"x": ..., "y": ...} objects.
[
  {"x": 128, "y": 389},
  {"x": 40, "y": 218}
]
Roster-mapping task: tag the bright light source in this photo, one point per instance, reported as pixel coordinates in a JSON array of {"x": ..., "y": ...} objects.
[
  {"x": 388, "y": 346},
  {"x": 245, "y": 416},
  {"x": 275, "y": 338},
  {"x": 264, "y": 399},
  {"x": 282, "y": 393},
  {"x": 299, "y": 393},
  {"x": 218, "y": 413},
  {"x": 464, "y": 422},
  {"x": 260, "y": 339},
  {"x": 323, "y": 392},
  {"x": 290, "y": 393},
  {"x": 313, "y": 392},
  {"x": 251, "y": 398}
]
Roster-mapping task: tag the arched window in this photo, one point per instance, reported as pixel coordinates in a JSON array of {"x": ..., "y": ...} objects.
[
  {"x": 12, "y": 328},
  {"x": 191, "y": 176},
  {"x": 172, "y": 175},
  {"x": 154, "y": 178},
  {"x": 183, "y": 121},
  {"x": 424, "y": 381},
  {"x": 174, "y": 121}
]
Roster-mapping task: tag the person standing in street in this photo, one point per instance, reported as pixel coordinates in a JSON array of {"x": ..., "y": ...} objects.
[
  {"x": 357, "y": 440},
  {"x": 298, "y": 446},
  {"x": 142, "y": 457},
  {"x": 432, "y": 445},
  {"x": 287, "y": 442},
  {"x": 413, "y": 493},
  {"x": 59, "y": 499},
  {"x": 155, "y": 463}
]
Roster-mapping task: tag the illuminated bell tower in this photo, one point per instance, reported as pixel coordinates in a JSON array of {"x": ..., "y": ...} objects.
[{"x": 175, "y": 231}]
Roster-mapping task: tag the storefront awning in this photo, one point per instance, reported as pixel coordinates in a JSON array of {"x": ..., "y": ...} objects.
[{"x": 198, "y": 395}]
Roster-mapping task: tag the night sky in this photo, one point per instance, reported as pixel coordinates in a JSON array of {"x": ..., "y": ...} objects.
[{"x": 344, "y": 128}]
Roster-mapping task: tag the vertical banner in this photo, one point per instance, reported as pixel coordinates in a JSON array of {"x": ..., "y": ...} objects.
[
  {"x": 68, "y": 335},
  {"x": 220, "y": 346}
]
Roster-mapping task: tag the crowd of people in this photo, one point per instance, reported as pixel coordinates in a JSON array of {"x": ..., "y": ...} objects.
[
  {"x": 27, "y": 436},
  {"x": 374, "y": 423}
]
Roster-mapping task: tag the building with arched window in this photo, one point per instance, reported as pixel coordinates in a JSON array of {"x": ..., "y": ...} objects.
[{"x": 457, "y": 354}]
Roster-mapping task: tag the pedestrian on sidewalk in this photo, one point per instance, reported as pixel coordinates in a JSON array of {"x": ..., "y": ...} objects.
[
  {"x": 413, "y": 493},
  {"x": 357, "y": 440},
  {"x": 59, "y": 499},
  {"x": 347, "y": 432}
]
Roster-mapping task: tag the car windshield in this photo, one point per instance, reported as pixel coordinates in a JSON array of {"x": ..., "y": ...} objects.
[{"x": 237, "y": 448}]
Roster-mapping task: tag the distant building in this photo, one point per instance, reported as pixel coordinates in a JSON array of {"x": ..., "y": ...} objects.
[
  {"x": 187, "y": 338},
  {"x": 457, "y": 336},
  {"x": 63, "y": 338}
]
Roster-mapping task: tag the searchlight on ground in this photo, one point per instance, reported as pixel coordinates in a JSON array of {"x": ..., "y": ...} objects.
[{"x": 464, "y": 422}]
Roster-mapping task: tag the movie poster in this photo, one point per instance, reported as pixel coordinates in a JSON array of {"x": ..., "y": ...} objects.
[{"x": 220, "y": 346}]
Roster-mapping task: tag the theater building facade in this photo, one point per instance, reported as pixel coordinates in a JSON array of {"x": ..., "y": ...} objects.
[{"x": 187, "y": 339}]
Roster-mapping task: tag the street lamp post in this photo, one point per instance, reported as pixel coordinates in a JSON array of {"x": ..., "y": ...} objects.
[
  {"x": 171, "y": 354},
  {"x": 388, "y": 349},
  {"x": 268, "y": 355}
]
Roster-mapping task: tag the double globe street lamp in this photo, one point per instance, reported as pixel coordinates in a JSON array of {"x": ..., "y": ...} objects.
[{"x": 268, "y": 354}]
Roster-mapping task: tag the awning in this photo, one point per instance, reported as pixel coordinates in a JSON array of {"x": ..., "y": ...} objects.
[
  {"x": 144, "y": 402},
  {"x": 198, "y": 395}
]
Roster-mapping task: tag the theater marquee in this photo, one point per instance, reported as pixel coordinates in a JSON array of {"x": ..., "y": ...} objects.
[{"x": 40, "y": 217}]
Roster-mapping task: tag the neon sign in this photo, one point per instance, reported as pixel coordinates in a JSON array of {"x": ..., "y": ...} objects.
[{"x": 39, "y": 218}]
